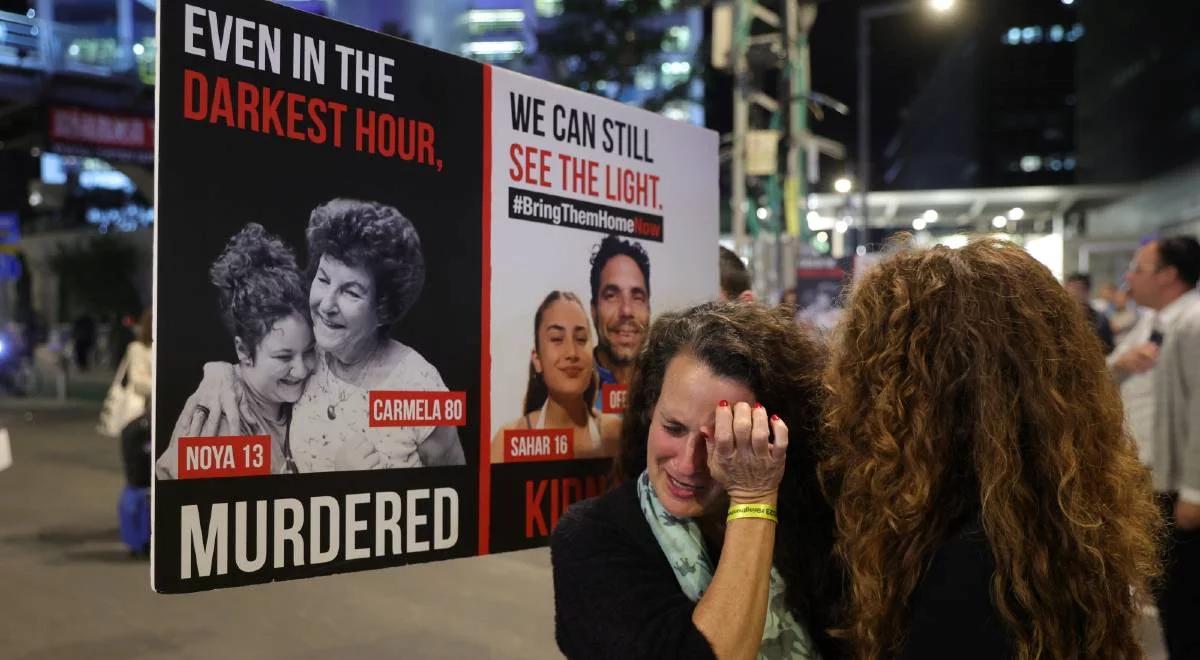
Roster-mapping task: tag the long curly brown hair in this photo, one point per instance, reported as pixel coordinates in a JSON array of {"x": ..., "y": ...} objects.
[
  {"x": 966, "y": 382},
  {"x": 781, "y": 363}
]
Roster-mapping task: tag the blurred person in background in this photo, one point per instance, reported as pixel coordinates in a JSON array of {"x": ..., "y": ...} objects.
[
  {"x": 735, "y": 277},
  {"x": 988, "y": 501},
  {"x": 1124, "y": 316},
  {"x": 133, "y": 507},
  {"x": 1106, "y": 298},
  {"x": 1158, "y": 368},
  {"x": 121, "y": 332},
  {"x": 83, "y": 337},
  {"x": 1079, "y": 285}
]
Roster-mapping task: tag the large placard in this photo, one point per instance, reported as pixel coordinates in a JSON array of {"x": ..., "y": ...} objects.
[{"x": 396, "y": 294}]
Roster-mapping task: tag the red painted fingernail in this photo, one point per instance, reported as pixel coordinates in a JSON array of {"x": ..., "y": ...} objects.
[
  {"x": 774, "y": 418},
  {"x": 758, "y": 405},
  {"x": 724, "y": 403}
]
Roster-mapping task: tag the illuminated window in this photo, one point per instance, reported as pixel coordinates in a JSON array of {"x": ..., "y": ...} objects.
[
  {"x": 548, "y": 8},
  {"x": 145, "y": 59},
  {"x": 645, "y": 78},
  {"x": 493, "y": 51},
  {"x": 481, "y": 21},
  {"x": 93, "y": 51},
  {"x": 674, "y": 73},
  {"x": 677, "y": 39},
  {"x": 680, "y": 110}
]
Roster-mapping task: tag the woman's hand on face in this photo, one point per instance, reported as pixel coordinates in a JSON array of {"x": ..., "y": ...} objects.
[
  {"x": 216, "y": 396},
  {"x": 357, "y": 454},
  {"x": 742, "y": 456}
]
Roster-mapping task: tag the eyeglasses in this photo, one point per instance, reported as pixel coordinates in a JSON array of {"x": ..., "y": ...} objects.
[{"x": 1139, "y": 268}]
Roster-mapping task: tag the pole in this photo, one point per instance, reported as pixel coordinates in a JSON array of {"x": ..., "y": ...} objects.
[
  {"x": 864, "y": 129},
  {"x": 741, "y": 124},
  {"x": 794, "y": 100},
  {"x": 798, "y": 22},
  {"x": 125, "y": 61},
  {"x": 45, "y": 18}
]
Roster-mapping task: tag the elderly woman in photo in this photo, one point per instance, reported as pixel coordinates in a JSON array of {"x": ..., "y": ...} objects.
[
  {"x": 264, "y": 308},
  {"x": 367, "y": 271},
  {"x": 562, "y": 381},
  {"x": 690, "y": 557}
]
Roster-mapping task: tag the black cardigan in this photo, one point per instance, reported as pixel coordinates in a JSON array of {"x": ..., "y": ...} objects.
[
  {"x": 615, "y": 595},
  {"x": 951, "y": 614}
]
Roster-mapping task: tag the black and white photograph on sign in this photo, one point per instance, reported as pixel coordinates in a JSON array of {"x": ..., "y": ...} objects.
[
  {"x": 318, "y": 299},
  {"x": 306, "y": 363}
]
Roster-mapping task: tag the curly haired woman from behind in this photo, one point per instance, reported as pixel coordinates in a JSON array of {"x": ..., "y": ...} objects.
[{"x": 988, "y": 501}]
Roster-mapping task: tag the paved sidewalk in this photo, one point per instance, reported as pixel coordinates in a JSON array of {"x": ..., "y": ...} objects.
[{"x": 72, "y": 591}]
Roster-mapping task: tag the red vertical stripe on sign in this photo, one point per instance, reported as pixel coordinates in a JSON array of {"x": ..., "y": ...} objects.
[{"x": 485, "y": 343}]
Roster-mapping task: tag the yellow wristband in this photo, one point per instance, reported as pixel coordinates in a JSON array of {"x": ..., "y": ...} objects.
[{"x": 763, "y": 511}]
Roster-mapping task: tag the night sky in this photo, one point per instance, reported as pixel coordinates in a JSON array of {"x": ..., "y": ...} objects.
[{"x": 905, "y": 50}]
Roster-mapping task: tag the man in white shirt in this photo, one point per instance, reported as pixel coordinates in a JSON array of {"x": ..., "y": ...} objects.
[
  {"x": 1136, "y": 380},
  {"x": 1158, "y": 366}
]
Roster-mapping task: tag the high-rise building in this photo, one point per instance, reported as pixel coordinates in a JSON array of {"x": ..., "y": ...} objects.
[
  {"x": 505, "y": 33},
  {"x": 1139, "y": 102},
  {"x": 999, "y": 109}
]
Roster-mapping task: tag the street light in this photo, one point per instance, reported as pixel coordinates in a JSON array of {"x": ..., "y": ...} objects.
[
  {"x": 999, "y": 222},
  {"x": 843, "y": 185},
  {"x": 865, "y": 16}
]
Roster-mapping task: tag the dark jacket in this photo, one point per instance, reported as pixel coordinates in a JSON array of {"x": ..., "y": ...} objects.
[
  {"x": 951, "y": 614},
  {"x": 1101, "y": 327},
  {"x": 615, "y": 595}
]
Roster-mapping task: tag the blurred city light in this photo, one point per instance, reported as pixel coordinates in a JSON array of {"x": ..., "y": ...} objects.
[
  {"x": 955, "y": 241},
  {"x": 941, "y": 6},
  {"x": 843, "y": 185},
  {"x": 999, "y": 222},
  {"x": 1016, "y": 213}
]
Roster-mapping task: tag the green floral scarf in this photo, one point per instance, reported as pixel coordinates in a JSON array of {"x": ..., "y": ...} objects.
[{"x": 681, "y": 542}]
